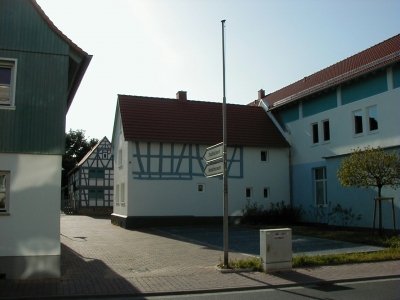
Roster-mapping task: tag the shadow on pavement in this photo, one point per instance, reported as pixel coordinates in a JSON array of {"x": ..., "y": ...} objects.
[
  {"x": 247, "y": 240},
  {"x": 81, "y": 276}
]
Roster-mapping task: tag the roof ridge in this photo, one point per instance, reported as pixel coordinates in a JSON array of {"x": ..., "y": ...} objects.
[
  {"x": 337, "y": 70},
  {"x": 176, "y": 100}
]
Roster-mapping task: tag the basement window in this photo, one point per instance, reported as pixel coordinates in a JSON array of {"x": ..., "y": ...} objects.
[{"x": 4, "y": 191}]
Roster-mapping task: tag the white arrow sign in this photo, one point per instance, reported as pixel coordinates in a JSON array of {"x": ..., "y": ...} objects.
[
  {"x": 216, "y": 169},
  {"x": 214, "y": 152}
]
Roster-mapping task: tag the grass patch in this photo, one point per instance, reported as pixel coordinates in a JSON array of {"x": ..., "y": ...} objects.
[
  {"x": 357, "y": 235},
  {"x": 253, "y": 263},
  {"x": 391, "y": 241},
  {"x": 350, "y": 258}
]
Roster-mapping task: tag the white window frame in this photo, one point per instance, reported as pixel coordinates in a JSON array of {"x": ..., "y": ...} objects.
[
  {"x": 315, "y": 124},
  {"x": 358, "y": 113},
  {"x": 117, "y": 195},
  {"x": 119, "y": 158},
  {"x": 324, "y": 185},
  {"x": 5, "y": 188},
  {"x": 324, "y": 139},
  {"x": 122, "y": 194},
  {"x": 10, "y": 63},
  {"x": 368, "y": 115}
]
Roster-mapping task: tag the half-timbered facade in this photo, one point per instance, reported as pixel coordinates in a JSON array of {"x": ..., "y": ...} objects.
[
  {"x": 40, "y": 72},
  {"x": 159, "y": 145},
  {"x": 91, "y": 182}
]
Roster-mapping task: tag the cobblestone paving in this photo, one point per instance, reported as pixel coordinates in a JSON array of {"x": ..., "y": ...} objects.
[{"x": 101, "y": 259}]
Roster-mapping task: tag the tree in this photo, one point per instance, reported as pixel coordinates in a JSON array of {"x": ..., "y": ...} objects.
[
  {"x": 76, "y": 147},
  {"x": 371, "y": 167}
]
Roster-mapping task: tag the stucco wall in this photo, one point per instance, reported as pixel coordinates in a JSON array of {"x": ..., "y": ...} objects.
[
  {"x": 32, "y": 225},
  {"x": 169, "y": 196}
]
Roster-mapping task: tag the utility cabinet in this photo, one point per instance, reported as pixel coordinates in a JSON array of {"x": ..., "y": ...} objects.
[{"x": 276, "y": 249}]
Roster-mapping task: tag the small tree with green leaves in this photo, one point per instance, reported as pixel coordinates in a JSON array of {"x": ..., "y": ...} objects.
[{"x": 371, "y": 167}]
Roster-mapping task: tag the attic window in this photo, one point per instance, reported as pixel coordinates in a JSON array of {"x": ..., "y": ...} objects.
[{"x": 7, "y": 82}]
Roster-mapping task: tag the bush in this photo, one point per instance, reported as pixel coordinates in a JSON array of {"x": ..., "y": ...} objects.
[{"x": 278, "y": 213}]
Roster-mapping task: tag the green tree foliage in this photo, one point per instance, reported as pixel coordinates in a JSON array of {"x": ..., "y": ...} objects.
[
  {"x": 371, "y": 167},
  {"x": 76, "y": 147}
]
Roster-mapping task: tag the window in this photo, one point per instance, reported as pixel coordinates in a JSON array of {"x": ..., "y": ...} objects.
[
  {"x": 372, "y": 118},
  {"x": 320, "y": 186},
  {"x": 266, "y": 192},
  {"x": 117, "y": 195},
  {"x": 120, "y": 158},
  {"x": 4, "y": 191},
  {"x": 104, "y": 155},
  {"x": 357, "y": 121},
  {"x": 248, "y": 193},
  {"x": 122, "y": 198},
  {"x": 96, "y": 173},
  {"x": 264, "y": 155},
  {"x": 200, "y": 187},
  {"x": 96, "y": 194},
  {"x": 315, "y": 137},
  {"x": 326, "y": 130},
  {"x": 7, "y": 82}
]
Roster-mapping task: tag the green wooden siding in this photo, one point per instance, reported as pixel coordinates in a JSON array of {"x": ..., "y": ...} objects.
[
  {"x": 37, "y": 124},
  {"x": 364, "y": 87},
  {"x": 23, "y": 29},
  {"x": 319, "y": 104}
]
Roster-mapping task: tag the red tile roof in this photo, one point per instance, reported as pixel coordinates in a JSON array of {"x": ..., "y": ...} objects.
[
  {"x": 187, "y": 121},
  {"x": 382, "y": 54}
]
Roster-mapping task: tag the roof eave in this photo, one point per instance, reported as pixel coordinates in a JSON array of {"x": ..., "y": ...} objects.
[{"x": 373, "y": 66}]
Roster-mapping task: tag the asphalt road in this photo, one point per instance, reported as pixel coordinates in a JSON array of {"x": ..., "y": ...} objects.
[{"x": 383, "y": 289}]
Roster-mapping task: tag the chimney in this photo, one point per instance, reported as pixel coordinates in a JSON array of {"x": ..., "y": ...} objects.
[
  {"x": 181, "y": 95},
  {"x": 261, "y": 94}
]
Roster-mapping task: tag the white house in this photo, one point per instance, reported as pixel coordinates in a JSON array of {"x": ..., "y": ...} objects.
[
  {"x": 91, "y": 182},
  {"x": 158, "y": 146},
  {"x": 353, "y": 103},
  {"x": 40, "y": 71}
]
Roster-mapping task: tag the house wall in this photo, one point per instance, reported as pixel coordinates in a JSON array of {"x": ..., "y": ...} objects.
[
  {"x": 337, "y": 106},
  {"x": 91, "y": 185},
  {"x": 30, "y": 244},
  {"x": 162, "y": 180},
  {"x": 41, "y": 82}
]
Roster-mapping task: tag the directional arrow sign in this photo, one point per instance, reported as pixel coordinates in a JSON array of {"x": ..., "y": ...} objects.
[
  {"x": 216, "y": 169},
  {"x": 214, "y": 152}
]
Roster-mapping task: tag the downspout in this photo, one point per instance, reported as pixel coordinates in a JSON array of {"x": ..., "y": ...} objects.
[{"x": 285, "y": 135}]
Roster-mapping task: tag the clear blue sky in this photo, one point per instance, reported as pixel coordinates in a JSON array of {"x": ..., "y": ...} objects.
[{"x": 158, "y": 47}]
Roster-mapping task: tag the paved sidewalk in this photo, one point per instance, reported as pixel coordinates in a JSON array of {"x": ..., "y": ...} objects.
[{"x": 101, "y": 259}]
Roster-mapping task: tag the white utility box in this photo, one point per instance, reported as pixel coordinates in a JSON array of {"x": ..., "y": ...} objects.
[{"x": 276, "y": 249}]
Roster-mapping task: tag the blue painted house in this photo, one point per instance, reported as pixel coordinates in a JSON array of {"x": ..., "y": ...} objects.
[
  {"x": 353, "y": 103},
  {"x": 40, "y": 72}
]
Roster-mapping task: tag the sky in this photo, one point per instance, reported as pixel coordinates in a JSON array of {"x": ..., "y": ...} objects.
[{"x": 158, "y": 47}]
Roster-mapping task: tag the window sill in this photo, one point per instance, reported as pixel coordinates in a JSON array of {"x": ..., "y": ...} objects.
[
  {"x": 4, "y": 213},
  {"x": 7, "y": 107}
]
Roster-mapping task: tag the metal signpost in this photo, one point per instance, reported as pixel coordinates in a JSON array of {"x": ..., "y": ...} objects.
[
  {"x": 224, "y": 130},
  {"x": 216, "y": 158}
]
